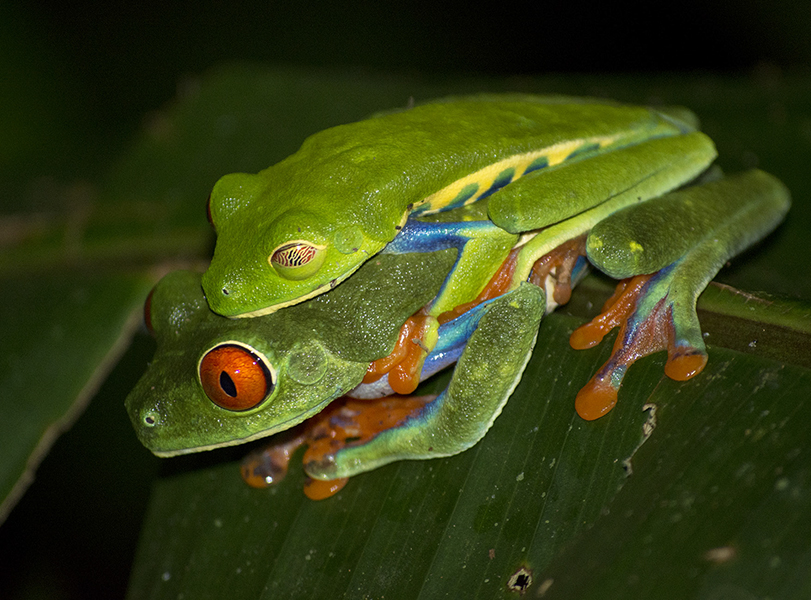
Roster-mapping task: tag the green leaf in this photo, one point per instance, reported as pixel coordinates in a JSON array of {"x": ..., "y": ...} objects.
[
  {"x": 61, "y": 334},
  {"x": 717, "y": 500},
  {"x": 704, "y": 456}
]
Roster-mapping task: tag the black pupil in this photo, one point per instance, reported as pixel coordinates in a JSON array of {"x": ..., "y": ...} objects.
[{"x": 227, "y": 384}]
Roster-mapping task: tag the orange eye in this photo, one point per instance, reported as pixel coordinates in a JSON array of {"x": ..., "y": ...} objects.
[
  {"x": 297, "y": 260},
  {"x": 235, "y": 378}
]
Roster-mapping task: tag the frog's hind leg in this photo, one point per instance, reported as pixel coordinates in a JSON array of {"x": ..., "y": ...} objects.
[
  {"x": 484, "y": 377},
  {"x": 702, "y": 227},
  {"x": 654, "y": 312},
  {"x": 602, "y": 184}
]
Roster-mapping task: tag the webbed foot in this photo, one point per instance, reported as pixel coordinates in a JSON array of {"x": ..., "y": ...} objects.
[
  {"x": 418, "y": 336},
  {"x": 346, "y": 422},
  {"x": 652, "y": 316},
  {"x": 688, "y": 248}
]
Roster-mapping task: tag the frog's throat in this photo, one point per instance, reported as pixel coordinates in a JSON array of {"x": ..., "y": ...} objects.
[{"x": 255, "y": 436}]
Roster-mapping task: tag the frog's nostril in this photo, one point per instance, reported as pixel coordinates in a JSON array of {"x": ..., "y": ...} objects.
[{"x": 225, "y": 291}]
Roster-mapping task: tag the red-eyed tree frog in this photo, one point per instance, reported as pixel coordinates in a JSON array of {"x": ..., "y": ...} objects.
[
  {"x": 217, "y": 381},
  {"x": 300, "y": 227}
]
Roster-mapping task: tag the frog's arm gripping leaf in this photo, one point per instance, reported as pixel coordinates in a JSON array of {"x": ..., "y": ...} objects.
[{"x": 484, "y": 378}]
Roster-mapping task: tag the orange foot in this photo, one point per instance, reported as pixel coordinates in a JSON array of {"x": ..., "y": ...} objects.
[
  {"x": 405, "y": 362},
  {"x": 643, "y": 310},
  {"x": 345, "y": 422}
]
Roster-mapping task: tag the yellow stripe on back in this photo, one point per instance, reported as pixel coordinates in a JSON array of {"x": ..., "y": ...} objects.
[{"x": 493, "y": 177}]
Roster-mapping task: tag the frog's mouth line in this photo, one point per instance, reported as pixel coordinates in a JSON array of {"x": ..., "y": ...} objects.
[
  {"x": 256, "y": 436},
  {"x": 324, "y": 287}
]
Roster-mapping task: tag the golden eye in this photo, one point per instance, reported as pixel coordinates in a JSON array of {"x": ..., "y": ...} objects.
[
  {"x": 298, "y": 259},
  {"x": 235, "y": 378}
]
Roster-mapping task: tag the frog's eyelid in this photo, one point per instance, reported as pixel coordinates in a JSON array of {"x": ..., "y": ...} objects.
[
  {"x": 298, "y": 259},
  {"x": 296, "y": 253}
]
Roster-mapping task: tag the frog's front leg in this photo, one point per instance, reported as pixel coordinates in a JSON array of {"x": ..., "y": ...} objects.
[
  {"x": 484, "y": 377},
  {"x": 688, "y": 236},
  {"x": 481, "y": 247}
]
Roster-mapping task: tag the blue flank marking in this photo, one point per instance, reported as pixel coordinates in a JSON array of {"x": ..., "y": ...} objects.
[
  {"x": 423, "y": 236},
  {"x": 503, "y": 178},
  {"x": 420, "y": 236},
  {"x": 579, "y": 270},
  {"x": 642, "y": 312},
  {"x": 466, "y": 194},
  {"x": 461, "y": 198},
  {"x": 536, "y": 165},
  {"x": 584, "y": 149},
  {"x": 453, "y": 338}
]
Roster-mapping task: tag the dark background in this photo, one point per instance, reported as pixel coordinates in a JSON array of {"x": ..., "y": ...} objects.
[
  {"x": 92, "y": 69},
  {"x": 78, "y": 78}
]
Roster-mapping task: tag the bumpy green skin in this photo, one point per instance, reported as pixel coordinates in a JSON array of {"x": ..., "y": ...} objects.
[
  {"x": 319, "y": 350},
  {"x": 726, "y": 215},
  {"x": 349, "y": 188},
  {"x": 483, "y": 380}
]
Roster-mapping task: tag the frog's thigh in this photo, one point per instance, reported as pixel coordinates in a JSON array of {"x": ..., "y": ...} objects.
[
  {"x": 727, "y": 215},
  {"x": 557, "y": 193},
  {"x": 737, "y": 211},
  {"x": 483, "y": 379}
]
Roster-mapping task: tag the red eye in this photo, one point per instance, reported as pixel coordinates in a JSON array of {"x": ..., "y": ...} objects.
[
  {"x": 235, "y": 378},
  {"x": 148, "y": 312}
]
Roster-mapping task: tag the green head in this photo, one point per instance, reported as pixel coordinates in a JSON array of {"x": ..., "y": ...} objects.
[
  {"x": 283, "y": 236},
  {"x": 217, "y": 382}
]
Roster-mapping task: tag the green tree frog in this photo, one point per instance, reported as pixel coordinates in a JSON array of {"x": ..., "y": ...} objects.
[
  {"x": 301, "y": 226},
  {"x": 217, "y": 381}
]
